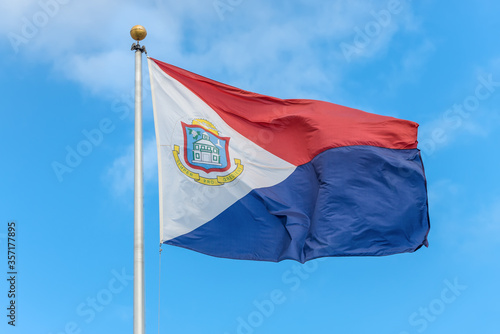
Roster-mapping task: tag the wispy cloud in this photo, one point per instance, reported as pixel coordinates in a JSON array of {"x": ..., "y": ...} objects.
[
  {"x": 101, "y": 74},
  {"x": 469, "y": 114},
  {"x": 441, "y": 191},
  {"x": 121, "y": 172},
  {"x": 481, "y": 234},
  {"x": 373, "y": 34},
  {"x": 287, "y": 50},
  {"x": 410, "y": 66},
  {"x": 297, "y": 55}
]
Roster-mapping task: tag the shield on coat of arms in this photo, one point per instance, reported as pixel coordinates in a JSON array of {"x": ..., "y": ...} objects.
[{"x": 204, "y": 149}]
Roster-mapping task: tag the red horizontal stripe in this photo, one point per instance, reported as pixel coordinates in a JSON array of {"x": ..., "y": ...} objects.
[{"x": 295, "y": 130}]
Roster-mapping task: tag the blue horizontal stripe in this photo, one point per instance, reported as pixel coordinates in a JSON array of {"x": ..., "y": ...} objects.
[{"x": 348, "y": 201}]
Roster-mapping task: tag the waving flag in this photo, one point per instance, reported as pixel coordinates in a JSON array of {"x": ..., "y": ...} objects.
[{"x": 248, "y": 176}]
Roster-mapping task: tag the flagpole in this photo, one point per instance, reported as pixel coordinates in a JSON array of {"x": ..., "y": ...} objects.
[{"x": 138, "y": 33}]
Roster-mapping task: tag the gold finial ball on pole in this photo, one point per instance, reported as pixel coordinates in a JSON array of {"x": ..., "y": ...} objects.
[{"x": 138, "y": 33}]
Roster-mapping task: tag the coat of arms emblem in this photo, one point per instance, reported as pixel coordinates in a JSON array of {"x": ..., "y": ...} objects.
[{"x": 205, "y": 150}]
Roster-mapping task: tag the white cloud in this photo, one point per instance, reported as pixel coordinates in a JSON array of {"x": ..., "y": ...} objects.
[
  {"x": 88, "y": 41},
  {"x": 371, "y": 35},
  {"x": 101, "y": 73},
  {"x": 121, "y": 173},
  {"x": 440, "y": 192},
  {"x": 471, "y": 231},
  {"x": 280, "y": 48},
  {"x": 14, "y": 11},
  {"x": 472, "y": 114},
  {"x": 481, "y": 234},
  {"x": 410, "y": 67},
  {"x": 53, "y": 28},
  {"x": 451, "y": 128}
]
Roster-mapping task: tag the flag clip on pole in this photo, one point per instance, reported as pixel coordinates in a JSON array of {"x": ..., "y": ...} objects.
[{"x": 138, "y": 33}]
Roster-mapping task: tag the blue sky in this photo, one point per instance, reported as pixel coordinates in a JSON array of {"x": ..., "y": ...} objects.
[{"x": 67, "y": 73}]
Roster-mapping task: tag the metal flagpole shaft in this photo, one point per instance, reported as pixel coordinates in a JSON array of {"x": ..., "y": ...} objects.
[{"x": 138, "y": 33}]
